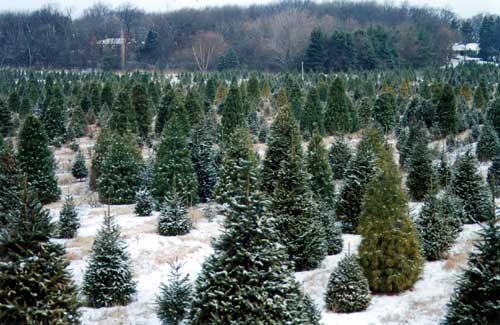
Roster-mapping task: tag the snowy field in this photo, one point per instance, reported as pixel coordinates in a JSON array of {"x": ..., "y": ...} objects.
[{"x": 150, "y": 254}]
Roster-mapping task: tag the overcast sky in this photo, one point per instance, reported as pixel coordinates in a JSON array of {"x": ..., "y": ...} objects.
[{"x": 464, "y": 8}]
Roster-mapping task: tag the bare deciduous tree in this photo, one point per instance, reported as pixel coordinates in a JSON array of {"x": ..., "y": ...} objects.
[{"x": 206, "y": 46}]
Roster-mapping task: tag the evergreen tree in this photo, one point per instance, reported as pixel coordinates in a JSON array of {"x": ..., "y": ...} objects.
[
  {"x": 37, "y": 161},
  {"x": 107, "y": 97},
  {"x": 101, "y": 148},
  {"x": 421, "y": 179},
  {"x": 35, "y": 285},
  {"x": 25, "y": 106},
  {"x": 468, "y": 185},
  {"x": 348, "y": 290},
  {"x": 338, "y": 109},
  {"x": 444, "y": 171},
  {"x": 313, "y": 118},
  {"x": 79, "y": 170},
  {"x": 175, "y": 298},
  {"x": 119, "y": 173},
  {"x": 385, "y": 112},
  {"x": 488, "y": 146},
  {"x": 446, "y": 113},
  {"x": 107, "y": 281},
  {"x": 232, "y": 114},
  {"x": 54, "y": 117},
  {"x": 333, "y": 230},
  {"x": 142, "y": 107},
  {"x": 475, "y": 300},
  {"x": 174, "y": 169},
  {"x": 14, "y": 102},
  {"x": 493, "y": 115},
  {"x": 211, "y": 89},
  {"x": 389, "y": 252},
  {"x": 438, "y": 225},
  {"x": 174, "y": 219},
  {"x": 415, "y": 135},
  {"x": 10, "y": 181},
  {"x": 247, "y": 280},
  {"x": 123, "y": 118},
  {"x": 77, "y": 124},
  {"x": 168, "y": 104},
  {"x": 253, "y": 89},
  {"x": 6, "y": 123},
  {"x": 204, "y": 160},
  {"x": 68, "y": 220},
  {"x": 315, "y": 56},
  {"x": 494, "y": 176},
  {"x": 144, "y": 205},
  {"x": 339, "y": 156},
  {"x": 318, "y": 166}
]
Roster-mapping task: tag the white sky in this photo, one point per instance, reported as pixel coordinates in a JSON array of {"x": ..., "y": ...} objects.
[{"x": 464, "y": 8}]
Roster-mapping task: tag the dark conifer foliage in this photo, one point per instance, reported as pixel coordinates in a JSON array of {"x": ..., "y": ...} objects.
[
  {"x": 174, "y": 219},
  {"x": 317, "y": 165},
  {"x": 69, "y": 222},
  {"x": 142, "y": 106},
  {"x": 313, "y": 117},
  {"x": 167, "y": 106},
  {"x": 339, "y": 156},
  {"x": 385, "y": 111},
  {"x": 493, "y": 115},
  {"x": 232, "y": 113},
  {"x": 339, "y": 108},
  {"x": 488, "y": 146},
  {"x": 123, "y": 117},
  {"x": 54, "y": 116},
  {"x": 37, "y": 161},
  {"x": 144, "y": 203},
  {"x": 494, "y": 176},
  {"x": 79, "y": 169},
  {"x": 10, "y": 181},
  {"x": 6, "y": 122},
  {"x": 421, "y": 179},
  {"x": 446, "y": 112},
  {"x": 315, "y": 56}
]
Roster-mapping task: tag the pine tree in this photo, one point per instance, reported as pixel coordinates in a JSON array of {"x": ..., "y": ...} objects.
[
  {"x": 35, "y": 285},
  {"x": 107, "y": 281},
  {"x": 68, "y": 219},
  {"x": 14, "y": 102},
  {"x": 232, "y": 113},
  {"x": 107, "y": 97},
  {"x": 25, "y": 107},
  {"x": 168, "y": 104},
  {"x": 142, "y": 107},
  {"x": 123, "y": 118},
  {"x": 144, "y": 205},
  {"x": 493, "y": 116},
  {"x": 475, "y": 300},
  {"x": 315, "y": 56},
  {"x": 204, "y": 160},
  {"x": 79, "y": 170},
  {"x": 253, "y": 89},
  {"x": 10, "y": 181},
  {"x": 385, "y": 112},
  {"x": 468, "y": 185},
  {"x": 494, "y": 176},
  {"x": 488, "y": 146},
  {"x": 54, "y": 117},
  {"x": 318, "y": 166},
  {"x": 119, "y": 173},
  {"x": 313, "y": 118},
  {"x": 348, "y": 289},
  {"x": 415, "y": 135},
  {"x": 174, "y": 219},
  {"x": 438, "y": 225},
  {"x": 338, "y": 109},
  {"x": 77, "y": 124},
  {"x": 421, "y": 179},
  {"x": 446, "y": 112},
  {"x": 175, "y": 298},
  {"x": 37, "y": 161},
  {"x": 174, "y": 169},
  {"x": 6, "y": 123},
  {"x": 389, "y": 252},
  {"x": 333, "y": 230},
  {"x": 339, "y": 156},
  {"x": 247, "y": 280},
  {"x": 101, "y": 148},
  {"x": 211, "y": 89}
]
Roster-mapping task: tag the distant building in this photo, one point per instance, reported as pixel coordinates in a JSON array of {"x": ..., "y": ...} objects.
[{"x": 111, "y": 41}]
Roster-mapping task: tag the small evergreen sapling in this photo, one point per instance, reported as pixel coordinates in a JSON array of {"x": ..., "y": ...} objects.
[
  {"x": 348, "y": 290},
  {"x": 144, "y": 203},
  {"x": 68, "y": 220},
  {"x": 79, "y": 170},
  {"x": 175, "y": 298},
  {"x": 174, "y": 219},
  {"x": 108, "y": 278}
]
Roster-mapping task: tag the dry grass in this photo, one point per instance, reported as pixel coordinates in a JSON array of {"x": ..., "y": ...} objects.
[
  {"x": 170, "y": 255},
  {"x": 196, "y": 215},
  {"x": 455, "y": 261},
  {"x": 84, "y": 244},
  {"x": 65, "y": 179}
]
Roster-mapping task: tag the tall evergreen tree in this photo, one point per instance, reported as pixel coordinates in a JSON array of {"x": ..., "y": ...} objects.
[
  {"x": 488, "y": 146},
  {"x": 318, "y": 166},
  {"x": 100, "y": 149},
  {"x": 313, "y": 117},
  {"x": 339, "y": 156},
  {"x": 143, "y": 109},
  {"x": 77, "y": 123},
  {"x": 204, "y": 159},
  {"x": 446, "y": 113},
  {"x": 476, "y": 297},
  {"x": 10, "y": 181},
  {"x": 6, "y": 123},
  {"x": 107, "y": 281},
  {"x": 54, "y": 116},
  {"x": 468, "y": 185},
  {"x": 35, "y": 285},
  {"x": 253, "y": 88},
  {"x": 494, "y": 176},
  {"x": 338, "y": 109},
  {"x": 421, "y": 179},
  {"x": 247, "y": 280},
  {"x": 315, "y": 56},
  {"x": 211, "y": 89},
  {"x": 167, "y": 106},
  {"x": 174, "y": 169},
  {"x": 123, "y": 118},
  {"x": 493, "y": 115},
  {"x": 107, "y": 97},
  {"x": 232, "y": 113},
  {"x": 37, "y": 161},
  {"x": 385, "y": 111},
  {"x": 389, "y": 252}
]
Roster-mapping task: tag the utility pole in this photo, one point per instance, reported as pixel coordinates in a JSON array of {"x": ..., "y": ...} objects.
[
  {"x": 122, "y": 48},
  {"x": 302, "y": 63}
]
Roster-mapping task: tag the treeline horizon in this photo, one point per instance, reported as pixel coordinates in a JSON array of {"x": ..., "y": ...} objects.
[{"x": 272, "y": 37}]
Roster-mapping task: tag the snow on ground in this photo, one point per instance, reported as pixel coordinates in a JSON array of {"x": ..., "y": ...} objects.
[{"x": 151, "y": 253}]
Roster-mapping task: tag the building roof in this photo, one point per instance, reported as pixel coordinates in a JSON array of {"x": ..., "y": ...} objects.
[{"x": 111, "y": 41}]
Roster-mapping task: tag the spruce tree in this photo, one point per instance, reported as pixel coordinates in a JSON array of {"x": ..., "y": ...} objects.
[
  {"x": 100, "y": 149},
  {"x": 333, "y": 230},
  {"x": 167, "y": 106},
  {"x": 438, "y": 225},
  {"x": 54, "y": 117},
  {"x": 77, "y": 124},
  {"x": 476, "y": 297},
  {"x": 35, "y": 285},
  {"x": 315, "y": 56},
  {"x": 10, "y": 181},
  {"x": 37, "y": 161},
  {"x": 174, "y": 169},
  {"x": 389, "y": 252},
  {"x": 79, "y": 170},
  {"x": 468, "y": 185},
  {"x": 142, "y": 107},
  {"x": 421, "y": 179},
  {"x": 174, "y": 219},
  {"x": 493, "y": 116},
  {"x": 107, "y": 96},
  {"x": 144, "y": 203},
  {"x": 446, "y": 112},
  {"x": 6, "y": 123},
  {"x": 247, "y": 280},
  {"x": 239, "y": 158},
  {"x": 123, "y": 118},
  {"x": 232, "y": 113},
  {"x": 313, "y": 118},
  {"x": 107, "y": 281},
  {"x": 68, "y": 220},
  {"x": 175, "y": 298},
  {"x": 211, "y": 89},
  {"x": 339, "y": 156},
  {"x": 318, "y": 167},
  {"x": 385, "y": 111},
  {"x": 338, "y": 109},
  {"x": 253, "y": 88},
  {"x": 348, "y": 289},
  {"x": 488, "y": 146},
  {"x": 494, "y": 176},
  {"x": 119, "y": 173}
]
